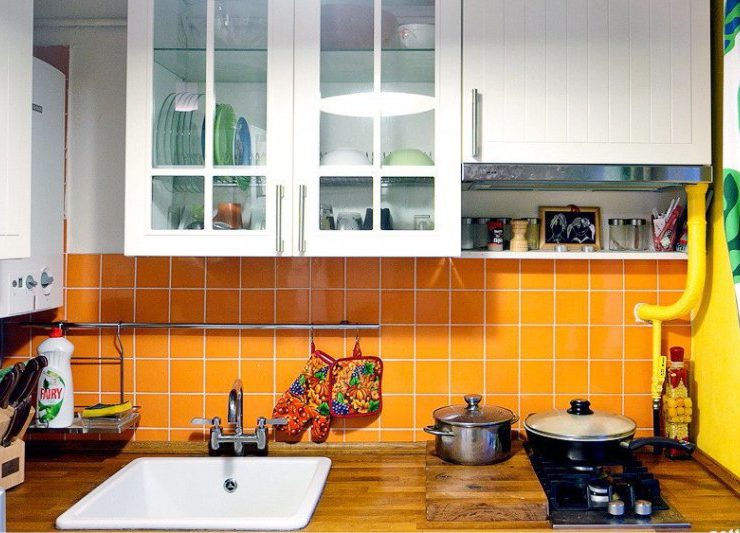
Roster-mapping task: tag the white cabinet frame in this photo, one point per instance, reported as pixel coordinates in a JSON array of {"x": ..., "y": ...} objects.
[
  {"x": 16, "y": 74},
  {"x": 140, "y": 116}
]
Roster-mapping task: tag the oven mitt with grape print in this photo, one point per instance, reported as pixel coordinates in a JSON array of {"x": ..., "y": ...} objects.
[{"x": 307, "y": 401}]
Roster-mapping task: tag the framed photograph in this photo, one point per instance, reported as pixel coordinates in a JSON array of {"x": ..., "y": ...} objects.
[{"x": 570, "y": 225}]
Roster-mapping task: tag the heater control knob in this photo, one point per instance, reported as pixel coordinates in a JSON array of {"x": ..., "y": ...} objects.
[
  {"x": 616, "y": 508},
  {"x": 643, "y": 508}
]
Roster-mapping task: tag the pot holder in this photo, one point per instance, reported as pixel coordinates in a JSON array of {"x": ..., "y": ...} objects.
[
  {"x": 355, "y": 385},
  {"x": 306, "y": 402}
]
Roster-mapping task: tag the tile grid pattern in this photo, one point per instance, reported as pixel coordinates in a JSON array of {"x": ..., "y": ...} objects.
[{"x": 529, "y": 334}]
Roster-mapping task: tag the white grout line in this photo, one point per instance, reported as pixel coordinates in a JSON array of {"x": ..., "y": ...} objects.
[
  {"x": 449, "y": 329},
  {"x": 485, "y": 331},
  {"x": 554, "y": 329},
  {"x": 588, "y": 332},
  {"x": 169, "y": 351},
  {"x": 205, "y": 336},
  {"x": 100, "y": 312},
  {"x": 519, "y": 341},
  {"x": 624, "y": 330},
  {"x": 414, "y": 388}
]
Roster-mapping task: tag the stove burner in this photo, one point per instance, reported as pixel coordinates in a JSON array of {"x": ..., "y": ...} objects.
[{"x": 587, "y": 494}]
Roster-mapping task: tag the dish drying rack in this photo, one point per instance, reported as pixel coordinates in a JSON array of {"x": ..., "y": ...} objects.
[{"x": 128, "y": 420}]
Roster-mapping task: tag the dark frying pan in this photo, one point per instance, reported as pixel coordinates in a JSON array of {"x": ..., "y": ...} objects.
[{"x": 584, "y": 436}]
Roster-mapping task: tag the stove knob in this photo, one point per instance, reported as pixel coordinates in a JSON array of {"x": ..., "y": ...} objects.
[
  {"x": 643, "y": 508},
  {"x": 616, "y": 508}
]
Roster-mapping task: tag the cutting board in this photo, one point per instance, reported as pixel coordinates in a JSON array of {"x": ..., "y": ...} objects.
[{"x": 504, "y": 492}]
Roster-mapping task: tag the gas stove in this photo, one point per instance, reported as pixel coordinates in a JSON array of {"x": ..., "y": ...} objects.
[{"x": 622, "y": 494}]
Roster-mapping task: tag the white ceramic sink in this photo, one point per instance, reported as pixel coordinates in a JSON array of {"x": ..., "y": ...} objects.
[{"x": 272, "y": 493}]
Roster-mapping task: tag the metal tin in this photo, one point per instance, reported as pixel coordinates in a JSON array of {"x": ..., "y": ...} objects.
[{"x": 496, "y": 234}]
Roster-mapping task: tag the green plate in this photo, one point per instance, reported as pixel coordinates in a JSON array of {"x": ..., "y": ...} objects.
[{"x": 223, "y": 135}]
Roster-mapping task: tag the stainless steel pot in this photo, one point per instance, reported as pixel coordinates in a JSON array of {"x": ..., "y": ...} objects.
[{"x": 472, "y": 434}]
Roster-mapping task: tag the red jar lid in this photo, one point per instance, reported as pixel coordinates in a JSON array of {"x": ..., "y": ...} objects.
[{"x": 676, "y": 354}]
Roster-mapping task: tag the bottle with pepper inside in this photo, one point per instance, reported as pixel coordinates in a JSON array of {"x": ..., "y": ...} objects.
[{"x": 677, "y": 405}]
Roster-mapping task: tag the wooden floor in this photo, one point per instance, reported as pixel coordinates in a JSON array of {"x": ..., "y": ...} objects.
[{"x": 377, "y": 488}]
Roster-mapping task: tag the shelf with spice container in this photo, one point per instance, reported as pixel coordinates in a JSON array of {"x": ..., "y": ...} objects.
[
  {"x": 601, "y": 255},
  {"x": 484, "y": 210}
]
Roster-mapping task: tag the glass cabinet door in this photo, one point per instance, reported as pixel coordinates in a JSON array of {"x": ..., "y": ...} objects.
[
  {"x": 214, "y": 78},
  {"x": 372, "y": 167}
]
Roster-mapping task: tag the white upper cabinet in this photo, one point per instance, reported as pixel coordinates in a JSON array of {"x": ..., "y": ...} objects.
[
  {"x": 209, "y": 127},
  {"x": 377, "y": 127},
  {"x": 16, "y": 73},
  {"x": 587, "y": 81},
  {"x": 282, "y": 127}
]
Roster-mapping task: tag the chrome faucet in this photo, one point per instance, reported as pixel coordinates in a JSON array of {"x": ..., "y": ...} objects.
[{"x": 235, "y": 417}]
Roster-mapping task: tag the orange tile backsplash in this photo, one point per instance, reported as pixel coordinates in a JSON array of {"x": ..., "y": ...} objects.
[{"x": 528, "y": 334}]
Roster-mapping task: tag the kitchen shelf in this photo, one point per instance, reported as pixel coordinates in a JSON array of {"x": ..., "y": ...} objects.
[
  {"x": 230, "y": 66},
  {"x": 603, "y": 255},
  {"x": 340, "y": 66},
  {"x": 93, "y": 425}
]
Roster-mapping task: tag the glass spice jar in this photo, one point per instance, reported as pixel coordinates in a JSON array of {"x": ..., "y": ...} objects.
[
  {"x": 467, "y": 234},
  {"x": 481, "y": 232},
  {"x": 533, "y": 234}
]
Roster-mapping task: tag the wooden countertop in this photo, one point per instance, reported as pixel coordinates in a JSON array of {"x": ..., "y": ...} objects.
[{"x": 370, "y": 488}]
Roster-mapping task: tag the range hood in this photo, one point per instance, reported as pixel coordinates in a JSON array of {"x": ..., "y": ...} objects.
[{"x": 490, "y": 176}]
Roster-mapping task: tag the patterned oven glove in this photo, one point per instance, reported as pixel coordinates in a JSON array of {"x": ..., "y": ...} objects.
[{"x": 307, "y": 400}]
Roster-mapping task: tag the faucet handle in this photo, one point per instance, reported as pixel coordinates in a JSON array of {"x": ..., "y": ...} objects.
[
  {"x": 263, "y": 422},
  {"x": 215, "y": 421}
]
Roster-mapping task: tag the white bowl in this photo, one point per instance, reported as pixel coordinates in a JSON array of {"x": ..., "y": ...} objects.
[
  {"x": 416, "y": 36},
  {"x": 344, "y": 157}
]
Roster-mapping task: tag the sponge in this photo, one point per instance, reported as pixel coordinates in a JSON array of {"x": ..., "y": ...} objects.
[{"x": 106, "y": 409}]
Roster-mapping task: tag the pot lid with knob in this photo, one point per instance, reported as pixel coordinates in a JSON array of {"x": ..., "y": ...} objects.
[
  {"x": 472, "y": 414},
  {"x": 580, "y": 423}
]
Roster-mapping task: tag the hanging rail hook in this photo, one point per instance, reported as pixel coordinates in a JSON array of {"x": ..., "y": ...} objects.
[{"x": 118, "y": 343}]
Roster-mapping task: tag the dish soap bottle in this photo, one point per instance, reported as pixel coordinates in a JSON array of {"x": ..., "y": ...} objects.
[
  {"x": 677, "y": 405},
  {"x": 55, "y": 398}
]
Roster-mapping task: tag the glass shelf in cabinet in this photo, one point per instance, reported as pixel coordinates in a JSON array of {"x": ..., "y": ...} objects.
[
  {"x": 188, "y": 64},
  {"x": 183, "y": 49}
]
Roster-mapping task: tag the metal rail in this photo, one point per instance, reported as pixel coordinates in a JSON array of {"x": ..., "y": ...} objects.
[
  {"x": 197, "y": 325},
  {"x": 118, "y": 326}
]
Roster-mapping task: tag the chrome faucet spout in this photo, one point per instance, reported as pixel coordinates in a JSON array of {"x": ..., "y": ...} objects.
[{"x": 236, "y": 406}]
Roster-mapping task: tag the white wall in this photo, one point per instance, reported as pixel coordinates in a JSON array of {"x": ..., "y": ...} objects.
[{"x": 96, "y": 133}]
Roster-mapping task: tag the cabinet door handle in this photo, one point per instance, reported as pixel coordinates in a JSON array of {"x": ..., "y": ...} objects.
[
  {"x": 279, "y": 244},
  {"x": 302, "y": 219},
  {"x": 476, "y": 124}
]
